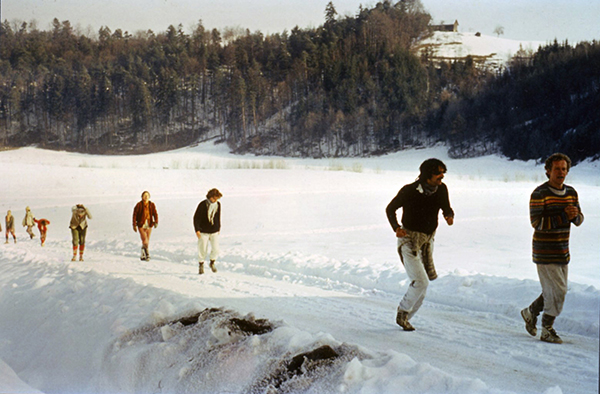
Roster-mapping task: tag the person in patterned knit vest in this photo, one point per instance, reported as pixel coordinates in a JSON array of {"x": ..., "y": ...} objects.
[
  {"x": 79, "y": 226},
  {"x": 553, "y": 207}
]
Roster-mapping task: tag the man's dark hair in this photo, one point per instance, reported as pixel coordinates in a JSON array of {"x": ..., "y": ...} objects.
[
  {"x": 430, "y": 167},
  {"x": 214, "y": 193},
  {"x": 556, "y": 157}
]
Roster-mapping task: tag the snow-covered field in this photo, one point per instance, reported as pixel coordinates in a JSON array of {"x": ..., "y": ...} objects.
[
  {"x": 456, "y": 45},
  {"x": 309, "y": 262}
]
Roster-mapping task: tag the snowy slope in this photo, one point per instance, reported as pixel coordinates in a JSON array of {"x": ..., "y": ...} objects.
[
  {"x": 306, "y": 247},
  {"x": 495, "y": 50}
]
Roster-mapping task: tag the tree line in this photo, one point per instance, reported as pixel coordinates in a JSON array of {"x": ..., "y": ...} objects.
[
  {"x": 542, "y": 103},
  {"x": 352, "y": 86}
]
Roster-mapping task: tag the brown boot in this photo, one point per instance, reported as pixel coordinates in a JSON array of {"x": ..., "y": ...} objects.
[
  {"x": 402, "y": 321},
  {"x": 548, "y": 333},
  {"x": 200, "y": 268},
  {"x": 530, "y": 321}
]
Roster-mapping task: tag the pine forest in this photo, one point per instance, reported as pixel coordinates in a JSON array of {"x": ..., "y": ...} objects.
[{"x": 354, "y": 86}]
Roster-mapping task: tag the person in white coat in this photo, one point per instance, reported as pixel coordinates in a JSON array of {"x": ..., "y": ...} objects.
[{"x": 29, "y": 222}]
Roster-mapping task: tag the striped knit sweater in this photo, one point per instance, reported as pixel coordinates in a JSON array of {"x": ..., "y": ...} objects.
[{"x": 552, "y": 227}]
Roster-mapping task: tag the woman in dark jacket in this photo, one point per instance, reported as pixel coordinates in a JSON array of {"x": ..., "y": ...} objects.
[{"x": 145, "y": 217}]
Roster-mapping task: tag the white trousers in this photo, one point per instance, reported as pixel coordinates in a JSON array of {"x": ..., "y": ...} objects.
[
  {"x": 554, "y": 281},
  {"x": 413, "y": 264},
  {"x": 203, "y": 242}
]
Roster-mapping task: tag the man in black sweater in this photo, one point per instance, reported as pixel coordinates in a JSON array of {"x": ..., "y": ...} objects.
[
  {"x": 421, "y": 202},
  {"x": 207, "y": 224}
]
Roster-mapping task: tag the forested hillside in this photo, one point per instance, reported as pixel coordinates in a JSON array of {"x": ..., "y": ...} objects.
[
  {"x": 542, "y": 103},
  {"x": 352, "y": 86}
]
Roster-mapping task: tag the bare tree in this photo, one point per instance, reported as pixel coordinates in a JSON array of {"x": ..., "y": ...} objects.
[{"x": 499, "y": 30}]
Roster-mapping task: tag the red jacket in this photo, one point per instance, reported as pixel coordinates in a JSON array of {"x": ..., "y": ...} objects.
[
  {"x": 138, "y": 214},
  {"x": 42, "y": 223}
]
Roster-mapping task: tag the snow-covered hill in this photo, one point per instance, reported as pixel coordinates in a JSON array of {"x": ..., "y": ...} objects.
[
  {"x": 308, "y": 283},
  {"x": 491, "y": 51}
]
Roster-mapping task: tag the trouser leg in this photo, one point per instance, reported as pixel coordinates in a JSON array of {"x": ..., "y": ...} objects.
[
  {"x": 214, "y": 246},
  {"x": 554, "y": 281},
  {"x": 413, "y": 299},
  {"x": 203, "y": 246}
]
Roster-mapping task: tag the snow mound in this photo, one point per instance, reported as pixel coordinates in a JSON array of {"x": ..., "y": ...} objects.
[{"x": 217, "y": 350}]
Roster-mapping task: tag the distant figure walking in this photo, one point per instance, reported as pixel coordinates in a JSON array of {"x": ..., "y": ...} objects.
[
  {"x": 207, "y": 223},
  {"x": 79, "y": 228},
  {"x": 29, "y": 222},
  {"x": 553, "y": 207},
  {"x": 43, "y": 227},
  {"x": 145, "y": 217},
  {"x": 421, "y": 202},
  {"x": 10, "y": 226}
]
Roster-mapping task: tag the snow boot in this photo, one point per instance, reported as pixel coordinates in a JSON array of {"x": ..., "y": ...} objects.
[
  {"x": 548, "y": 333},
  {"x": 530, "y": 321},
  {"x": 144, "y": 256},
  {"x": 212, "y": 266},
  {"x": 200, "y": 268},
  {"x": 402, "y": 321}
]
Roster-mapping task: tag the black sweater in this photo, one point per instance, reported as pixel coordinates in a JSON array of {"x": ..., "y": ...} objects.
[
  {"x": 419, "y": 212},
  {"x": 201, "y": 222}
]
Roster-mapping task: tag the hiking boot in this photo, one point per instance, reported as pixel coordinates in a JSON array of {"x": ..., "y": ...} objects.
[
  {"x": 530, "y": 321},
  {"x": 144, "y": 256},
  {"x": 81, "y": 258},
  {"x": 212, "y": 266},
  {"x": 549, "y": 335},
  {"x": 402, "y": 321},
  {"x": 200, "y": 268},
  {"x": 74, "y": 258}
]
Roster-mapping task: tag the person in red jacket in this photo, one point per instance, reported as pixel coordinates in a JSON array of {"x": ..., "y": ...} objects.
[
  {"x": 145, "y": 217},
  {"x": 42, "y": 225}
]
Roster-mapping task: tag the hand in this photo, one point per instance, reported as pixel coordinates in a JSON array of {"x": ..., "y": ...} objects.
[
  {"x": 572, "y": 212},
  {"x": 449, "y": 220},
  {"x": 134, "y": 228},
  {"x": 198, "y": 234},
  {"x": 400, "y": 232},
  {"x": 156, "y": 225}
]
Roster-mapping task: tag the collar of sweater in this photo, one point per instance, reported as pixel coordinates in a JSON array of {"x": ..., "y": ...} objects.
[{"x": 426, "y": 189}]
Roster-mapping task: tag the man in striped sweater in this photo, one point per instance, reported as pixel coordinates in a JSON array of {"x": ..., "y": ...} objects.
[{"x": 552, "y": 208}]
